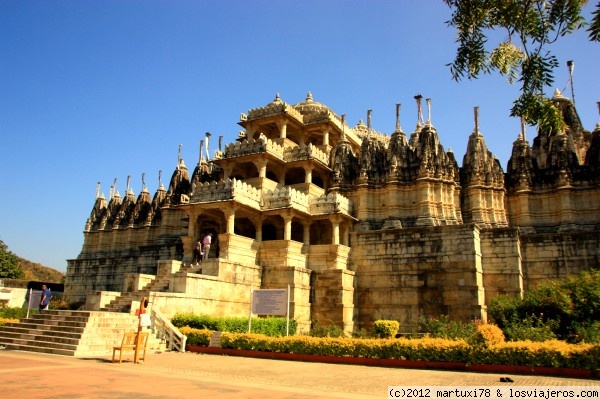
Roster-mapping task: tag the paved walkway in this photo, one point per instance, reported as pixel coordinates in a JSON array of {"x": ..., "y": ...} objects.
[{"x": 190, "y": 375}]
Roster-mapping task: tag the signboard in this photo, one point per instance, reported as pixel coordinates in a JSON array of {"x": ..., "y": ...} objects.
[{"x": 270, "y": 302}]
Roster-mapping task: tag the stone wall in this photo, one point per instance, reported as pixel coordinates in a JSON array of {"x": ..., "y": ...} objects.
[{"x": 406, "y": 274}]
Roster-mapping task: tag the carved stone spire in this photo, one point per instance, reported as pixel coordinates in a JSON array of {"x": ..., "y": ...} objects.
[
  {"x": 428, "y": 100},
  {"x": 398, "y": 127}
]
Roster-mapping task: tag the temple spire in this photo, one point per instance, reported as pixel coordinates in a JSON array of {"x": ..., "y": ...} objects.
[
  {"x": 523, "y": 129},
  {"x": 201, "y": 151},
  {"x": 207, "y": 152},
  {"x": 420, "y": 121},
  {"x": 179, "y": 155},
  {"x": 398, "y": 127},
  {"x": 428, "y": 100},
  {"x": 476, "y": 118}
]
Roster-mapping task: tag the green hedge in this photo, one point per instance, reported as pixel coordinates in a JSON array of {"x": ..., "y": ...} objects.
[
  {"x": 533, "y": 354},
  {"x": 270, "y": 326}
]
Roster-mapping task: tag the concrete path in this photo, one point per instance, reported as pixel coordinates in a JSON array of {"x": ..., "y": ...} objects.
[{"x": 190, "y": 375}]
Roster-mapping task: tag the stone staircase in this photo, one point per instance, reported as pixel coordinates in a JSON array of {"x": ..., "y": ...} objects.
[
  {"x": 160, "y": 284},
  {"x": 72, "y": 333}
]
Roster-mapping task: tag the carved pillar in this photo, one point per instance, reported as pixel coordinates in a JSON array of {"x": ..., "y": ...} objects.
[
  {"x": 230, "y": 216},
  {"x": 282, "y": 129},
  {"x": 346, "y": 235},
  {"x": 287, "y": 228},
  {"x": 326, "y": 137},
  {"x": 259, "y": 232},
  {"x": 227, "y": 171},
  {"x": 308, "y": 174},
  {"x": 336, "y": 232},
  {"x": 261, "y": 165},
  {"x": 306, "y": 235}
]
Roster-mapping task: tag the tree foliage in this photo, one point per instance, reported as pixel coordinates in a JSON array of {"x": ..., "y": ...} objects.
[
  {"x": 531, "y": 27},
  {"x": 9, "y": 263},
  {"x": 569, "y": 308}
]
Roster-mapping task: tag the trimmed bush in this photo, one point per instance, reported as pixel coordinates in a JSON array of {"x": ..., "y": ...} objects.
[
  {"x": 195, "y": 336},
  {"x": 386, "y": 328},
  {"x": 13, "y": 313},
  {"x": 487, "y": 335},
  {"x": 271, "y": 326},
  {"x": 533, "y": 354},
  {"x": 444, "y": 327}
]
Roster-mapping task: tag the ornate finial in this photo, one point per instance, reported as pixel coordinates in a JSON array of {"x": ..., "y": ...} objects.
[
  {"x": 220, "y": 142},
  {"x": 420, "y": 121},
  {"x": 309, "y": 97},
  {"x": 571, "y": 66},
  {"x": 277, "y": 99},
  {"x": 160, "y": 178},
  {"x": 398, "y": 128},
  {"x": 428, "y": 100},
  {"x": 369, "y": 111},
  {"x": 111, "y": 193},
  {"x": 523, "y": 129},
  {"x": 128, "y": 181},
  {"x": 476, "y": 118},
  {"x": 179, "y": 155},
  {"x": 201, "y": 149},
  {"x": 207, "y": 152},
  {"x": 343, "y": 137},
  {"x": 143, "y": 180},
  {"x": 114, "y": 188},
  {"x": 97, "y": 190}
]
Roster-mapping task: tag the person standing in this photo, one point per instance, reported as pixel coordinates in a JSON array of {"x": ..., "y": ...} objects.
[
  {"x": 207, "y": 241},
  {"x": 198, "y": 252},
  {"x": 45, "y": 299}
]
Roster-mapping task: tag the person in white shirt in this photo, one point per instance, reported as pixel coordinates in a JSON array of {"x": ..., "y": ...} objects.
[{"x": 206, "y": 242}]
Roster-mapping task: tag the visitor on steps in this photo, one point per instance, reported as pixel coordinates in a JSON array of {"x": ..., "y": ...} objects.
[
  {"x": 198, "y": 252},
  {"x": 207, "y": 241},
  {"x": 45, "y": 300}
]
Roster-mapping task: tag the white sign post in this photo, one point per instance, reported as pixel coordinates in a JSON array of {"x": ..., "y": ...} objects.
[{"x": 273, "y": 302}]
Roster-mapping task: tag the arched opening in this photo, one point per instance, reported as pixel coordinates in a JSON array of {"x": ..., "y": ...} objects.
[
  {"x": 294, "y": 176},
  {"x": 244, "y": 171},
  {"x": 272, "y": 229},
  {"x": 244, "y": 227},
  {"x": 321, "y": 232},
  {"x": 297, "y": 230}
]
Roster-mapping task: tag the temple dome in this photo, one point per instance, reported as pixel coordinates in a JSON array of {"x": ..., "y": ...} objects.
[{"x": 310, "y": 107}]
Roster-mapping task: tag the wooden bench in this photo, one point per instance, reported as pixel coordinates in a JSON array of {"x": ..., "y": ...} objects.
[{"x": 128, "y": 344}]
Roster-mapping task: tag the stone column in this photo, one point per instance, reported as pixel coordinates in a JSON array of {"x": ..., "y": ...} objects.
[
  {"x": 287, "y": 229},
  {"x": 336, "y": 232},
  {"x": 326, "y": 137},
  {"x": 261, "y": 165},
  {"x": 282, "y": 129},
  {"x": 306, "y": 235},
  {"x": 308, "y": 174},
  {"x": 230, "y": 216}
]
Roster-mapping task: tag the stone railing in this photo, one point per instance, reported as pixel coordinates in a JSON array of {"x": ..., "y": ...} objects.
[
  {"x": 304, "y": 153},
  {"x": 224, "y": 190},
  {"x": 273, "y": 109},
  {"x": 251, "y": 146},
  {"x": 284, "y": 198},
  {"x": 331, "y": 203},
  {"x": 167, "y": 332}
]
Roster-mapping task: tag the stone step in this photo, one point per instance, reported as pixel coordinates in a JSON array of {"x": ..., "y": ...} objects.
[
  {"x": 39, "y": 349},
  {"x": 41, "y": 343}
]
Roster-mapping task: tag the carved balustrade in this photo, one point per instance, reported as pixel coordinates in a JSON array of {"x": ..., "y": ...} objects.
[
  {"x": 284, "y": 198},
  {"x": 331, "y": 203},
  {"x": 224, "y": 190},
  {"x": 251, "y": 146},
  {"x": 305, "y": 153}
]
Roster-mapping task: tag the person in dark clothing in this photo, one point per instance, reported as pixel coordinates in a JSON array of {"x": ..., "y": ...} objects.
[{"x": 45, "y": 299}]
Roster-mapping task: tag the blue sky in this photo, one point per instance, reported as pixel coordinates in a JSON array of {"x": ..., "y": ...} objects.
[{"x": 96, "y": 90}]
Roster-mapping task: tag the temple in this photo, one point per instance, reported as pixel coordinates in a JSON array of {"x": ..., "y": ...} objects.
[{"x": 361, "y": 225}]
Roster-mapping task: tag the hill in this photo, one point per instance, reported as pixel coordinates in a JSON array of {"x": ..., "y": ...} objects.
[{"x": 38, "y": 272}]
